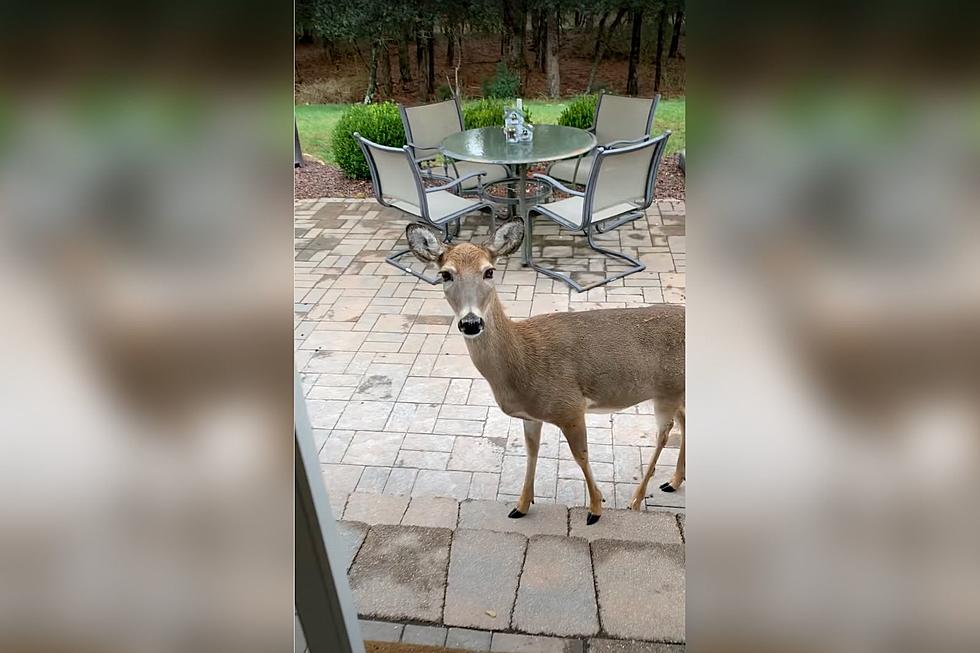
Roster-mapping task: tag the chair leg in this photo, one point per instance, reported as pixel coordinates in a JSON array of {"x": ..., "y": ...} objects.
[
  {"x": 636, "y": 266},
  {"x": 393, "y": 260}
]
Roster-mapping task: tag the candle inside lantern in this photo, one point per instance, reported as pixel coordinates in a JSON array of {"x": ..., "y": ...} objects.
[{"x": 520, "y": 104}]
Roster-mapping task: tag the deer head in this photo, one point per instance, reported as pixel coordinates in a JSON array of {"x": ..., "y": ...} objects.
[{"x": 466, "y": 269}]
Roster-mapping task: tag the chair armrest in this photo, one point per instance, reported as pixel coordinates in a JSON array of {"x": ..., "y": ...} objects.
[
  {"x": 557, "y": 184},
  {"x": 620, "y": 143},
  {"x": 421, "y": 148},
  {"x": 457, "y": 181}
]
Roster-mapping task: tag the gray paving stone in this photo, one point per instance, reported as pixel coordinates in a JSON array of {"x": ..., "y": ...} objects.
[
  {"x": 543, "y": 519},
  {"x": 468, "y": 640},
  {"x": 353, "y": 534},
  {"x": 641, "y": 589},
  {"x": 556, "y": 594},
  {"x": 400, "y": 573},
  {"x": 484, "y": 569},
  {"x": 649, "y": 526},
  {"x": 428, "y": 635},
  {"x": 375, "y": 508},
  {"x": 682, "y": 522},
  {"x": 380, "y": 631},
  {"x": 434, "y": 512},
  {"x": 630, "y": 646},
  {"x": 514, "y": 643},
  {"x": 435, "y": 483}
]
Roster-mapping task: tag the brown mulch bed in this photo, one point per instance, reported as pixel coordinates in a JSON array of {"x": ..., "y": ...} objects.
[{"x": 317, "y": 179}]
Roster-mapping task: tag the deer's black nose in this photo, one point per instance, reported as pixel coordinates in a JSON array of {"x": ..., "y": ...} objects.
[{"x": 471, "y": 325}]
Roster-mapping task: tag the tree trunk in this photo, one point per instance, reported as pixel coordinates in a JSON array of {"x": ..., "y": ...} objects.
[
  {"x": 420, "y": 65},
  {"x": 450, "y": 46},
  {"x": 541, "y": 36},
  {"x": 386, "y": 70},
  {"x": 551, "y": 34},
  {"x": 372, "y": 74},
  {"x": 404, "y": 68},
  {"x": 431, "y": 75},
  {"x": 632, "y": 85},
  {"x": 658, "y": 65},
  {"x": 676, "y": 36},
  {"x": 601, "y": 41},
  {"x": 515, "y": 22}
]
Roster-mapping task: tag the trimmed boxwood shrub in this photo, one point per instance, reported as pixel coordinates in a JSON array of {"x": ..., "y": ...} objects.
[
  {"x": 488, "y": 113},
  {"x": 379, "y": 123},
  {"x": 579, "y": 113}
]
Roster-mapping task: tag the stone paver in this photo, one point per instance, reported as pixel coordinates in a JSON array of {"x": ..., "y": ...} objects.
[
  {"x": 484, "y": 569},
  {"x": 434, "y": 512},
  {"x": 514, "y": 643},
  {"x": 380, "y": 631},
  {"x": 435, "y": 483},
  {"x": 556, "y": 595},
  {"x": 641, "y": 589},
  {"x": 543, "y": 519},
  {"x": 400, "y": 573},
  {"x": 468, "y": 640},
  {"x": 629, "y": 646},
  {"x": 397, "y": 405},
  {"x": 648, "y": 526},
  {"x": 427, "y": 635},
  {"x": 375, "y": 508},
  {"x": 353, "y": 534}
]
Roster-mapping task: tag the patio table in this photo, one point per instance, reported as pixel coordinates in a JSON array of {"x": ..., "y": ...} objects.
[{"x": 488, "y": 145}]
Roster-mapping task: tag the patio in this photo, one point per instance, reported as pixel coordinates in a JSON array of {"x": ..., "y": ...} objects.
[{"x": 396, "y": 405}]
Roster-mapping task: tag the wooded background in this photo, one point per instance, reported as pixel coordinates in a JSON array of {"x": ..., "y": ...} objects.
[{"x": 427, "y": 50}]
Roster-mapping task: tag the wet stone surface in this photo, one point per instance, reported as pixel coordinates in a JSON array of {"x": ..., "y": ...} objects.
[{"x": 400, "y": 573}]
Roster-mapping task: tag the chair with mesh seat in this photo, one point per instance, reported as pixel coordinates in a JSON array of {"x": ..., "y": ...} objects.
[
  {"x": 425, "y": 128},
  {"x": 618, "y": 121},
  {"x": 398, "y": 183},
  {"x": 619, "y": 190}
]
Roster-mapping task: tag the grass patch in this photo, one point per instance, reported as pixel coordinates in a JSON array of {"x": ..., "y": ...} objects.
[{"x": 316, "y": 123}]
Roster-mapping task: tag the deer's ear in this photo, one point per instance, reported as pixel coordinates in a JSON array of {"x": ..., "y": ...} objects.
[
  {"x": 507, "y": 238},
  {"x": 424, "y": 243}
]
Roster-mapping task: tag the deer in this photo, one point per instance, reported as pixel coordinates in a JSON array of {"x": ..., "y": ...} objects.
[{"x": 558, "y": 367}]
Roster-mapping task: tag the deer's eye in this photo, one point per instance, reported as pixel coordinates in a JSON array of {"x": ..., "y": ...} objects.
[
  {"x": 488, "y": 273},
  {"x": 446, "y": 276}
]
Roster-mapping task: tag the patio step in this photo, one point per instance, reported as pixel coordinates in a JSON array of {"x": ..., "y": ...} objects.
[{"x": 464, "y": 575}]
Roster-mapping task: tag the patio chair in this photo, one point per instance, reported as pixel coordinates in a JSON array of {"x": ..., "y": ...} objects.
[
  {"x": 619, "y": 189},
  {"x": 618, "y": 121},
  {"x": 398, "y": 183},
  {"x": 425, "y": 128}
]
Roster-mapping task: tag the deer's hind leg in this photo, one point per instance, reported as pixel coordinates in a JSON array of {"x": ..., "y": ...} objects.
[
  {"x": 576, "y": 435},
  {"x": 663, "y": 412}
]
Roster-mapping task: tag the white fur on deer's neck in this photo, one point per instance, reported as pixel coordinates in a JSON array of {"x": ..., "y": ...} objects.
[{"x": 498, "y": 355}]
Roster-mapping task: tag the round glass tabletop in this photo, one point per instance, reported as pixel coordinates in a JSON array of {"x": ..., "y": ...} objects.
[{"x": 488, "y": 145}]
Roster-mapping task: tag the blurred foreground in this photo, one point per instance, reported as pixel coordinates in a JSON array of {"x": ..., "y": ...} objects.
[
  {"x": 145, "y": 272},
  {"x": 834, "y": 333}
]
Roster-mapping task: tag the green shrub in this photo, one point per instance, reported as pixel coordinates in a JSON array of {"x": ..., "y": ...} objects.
[
  {"x": 483, "y": 113},
  {"x": 444, "y": 92},
  {"x": 379, "y": 123},
  {"x": 579, "y": 113},
  {"x": 488, "y": 113},
  {"x": 504, "y": 84}
]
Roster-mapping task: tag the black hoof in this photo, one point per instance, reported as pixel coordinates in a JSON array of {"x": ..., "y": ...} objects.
[
  {"x": 667, "y": 487},
  {"x": 591, "y": 519},
  {"x": 515, "y": 514}
]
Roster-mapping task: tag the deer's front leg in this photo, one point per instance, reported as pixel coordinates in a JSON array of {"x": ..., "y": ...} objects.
[
  {"x": 578, "y": 442},
  {"x": 679, "y": 472},
  {"x": 532, "y": 440}
]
